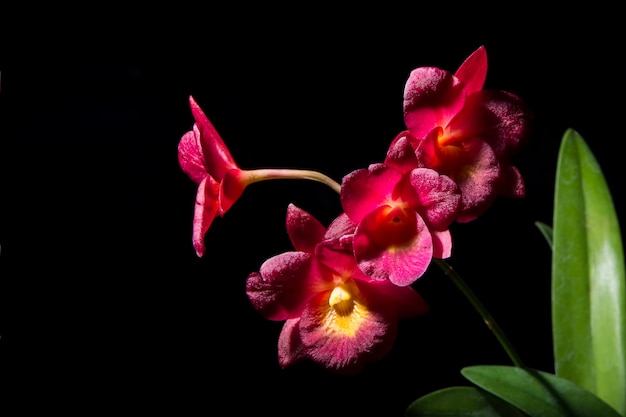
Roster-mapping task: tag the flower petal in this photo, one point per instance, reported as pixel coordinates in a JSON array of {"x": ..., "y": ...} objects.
[
  {"x": 431, "y": 98},
  {"x": 204, "y": 212},
  {"x": 404, "y": 302},
  {"x": 217, "y": 157},
  {"x": 511, "y": 183},
  {"x": 190, "y": 155},
  {"x": 340, "y": 262},
  {"x": 290, "y": 347},
  {"x": 442, "y": 243},
  {"x": 285, "y": 282},
  {"x": 511, "y": 122},
  {"x": 439, "y": 197},
  {"x": 394, "y": 245},
  {"x": 340, "y": 233},
  {"x": 232, "y": 186},
  {"x": 304, "y": 230},
  {"x": 365, "y": 189},
  {"x": 473, "y": 71},
  {"x": 413, "y": 141},
  {"x": 472, "y": 165},
  {"x": 480, "y": 188},
  {"x": 401, "y": 154},
  {"x": 344, "y": 342}
]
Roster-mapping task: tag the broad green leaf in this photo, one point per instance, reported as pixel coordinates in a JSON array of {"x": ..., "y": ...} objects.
[
  {"x": 461, "y": 402},
  {"x": 588, "y": 279},
  {"x": 537, "y": 393},
  {"x": 546, "y": 231}
]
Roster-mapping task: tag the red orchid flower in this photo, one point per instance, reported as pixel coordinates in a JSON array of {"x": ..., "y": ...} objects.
[
  {"x": 402, "y": 214},
  {"x": 334, "y": 314},
  {"x": 467, "y": 133},
  {"x": 204, "y": 157}
]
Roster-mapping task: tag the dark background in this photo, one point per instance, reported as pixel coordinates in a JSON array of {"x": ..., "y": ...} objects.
[{"x": 104, "y": 304}]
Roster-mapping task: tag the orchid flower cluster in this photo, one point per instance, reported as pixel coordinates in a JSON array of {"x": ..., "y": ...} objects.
[{"x": 343, "y": 288}]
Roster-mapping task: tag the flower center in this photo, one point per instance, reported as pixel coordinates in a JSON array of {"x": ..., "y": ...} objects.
[
  {"x": 341, "y": 300},
  {"x": 347, "y": 312},
  {"x": 393, "y": 227}
]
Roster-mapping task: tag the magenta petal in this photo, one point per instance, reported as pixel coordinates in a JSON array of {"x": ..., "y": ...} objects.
[
  {"x": 408, "y": 136},
  {"x": 401, "y": 263},
  {"x": 426, "y": 151},
  {"x": 340, "y": 227},
  {"x": 290, "y": 347},
  {"x": 204, "y": 212},
  {"x": 304, "y": 230},
  {"x": 439, "y": 197},
  {"x": 473, "y": 71},
  {"x": 442, "y": 244},
  {"x": 284, "y": 283},
  {"x": 340, "y": 262},
  {"x": 479, "y": 189},
  {"x": 190, "y": 156},
  {"x": 216, "y": 155},
  {"x": 365, "y": 189},
  {"x": 232, "y": 186},
  {"x": 404, "y": 302},
  {"x": 431, "y": 98},
  {"x": 511, "y": 182},
  {"x": 511, "y": 120},
  {"x": 345, "y": 352},
  {"x": 401, "y": 154},
  {"x": 340, "y": 233}
]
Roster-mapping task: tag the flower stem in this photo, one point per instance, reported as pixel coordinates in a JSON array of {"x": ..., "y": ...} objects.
[
  {"x": 480, "y": 308},
  {"x": 271, "y": 174}
]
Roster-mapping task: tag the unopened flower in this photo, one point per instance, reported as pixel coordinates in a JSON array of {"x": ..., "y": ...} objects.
[
  {"x": 467, "y": 133},
  {"x": 334, "y": 314},
  {"x": 402, "y": 214}
]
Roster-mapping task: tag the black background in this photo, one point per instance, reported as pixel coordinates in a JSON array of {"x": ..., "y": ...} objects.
[{"x": 104, "y": 304}]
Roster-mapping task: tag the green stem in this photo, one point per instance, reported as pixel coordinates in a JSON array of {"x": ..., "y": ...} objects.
[
  {"x": 257, "y": 175},
  {"x": 489, "y": 320}
]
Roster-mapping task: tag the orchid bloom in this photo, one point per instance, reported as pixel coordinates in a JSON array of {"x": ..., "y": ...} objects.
[
  {"x": 467, "y": 133},
  {"x": 334, "y": 314},
  {"x": 204, "y": 157},
  {"x": 402, "y": 212}
]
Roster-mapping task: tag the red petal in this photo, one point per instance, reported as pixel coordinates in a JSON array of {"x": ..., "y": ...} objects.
[
  {"x": 473, "y": 71},
  {"x": 204, "y": 213},
  {"x": 216, "y": 155},
  {"x": 400, "y": 253},
  {"x": 290, "y": 347},
  {"x": 403, "y": 302},
  {"x": 190, "y": 156},
  {"x": 431, "y": 98},
  {"x": 284, "y": 283},
  {"x": 365, "y": 189},
  {"x": 304, "y": 230},
  {"x": 344, "y": 344},
  {"x": 442, "y": 243},
  {"x": 233, "y": 184},
  {"x": 439, "y": 197},
  {"x": 401, "y": 154}
]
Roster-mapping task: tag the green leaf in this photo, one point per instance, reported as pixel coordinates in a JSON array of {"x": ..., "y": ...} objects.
[
  {"x": 588, "y": 279},
  {"x": 461, "y": 401},
  {"x": 537, "y": 393},
  {"x": 546, "y": 231}
]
